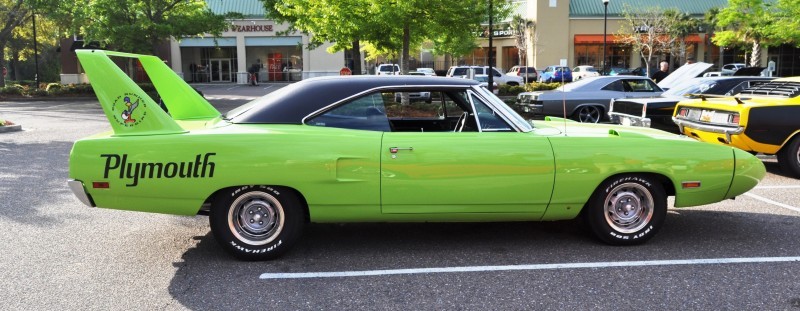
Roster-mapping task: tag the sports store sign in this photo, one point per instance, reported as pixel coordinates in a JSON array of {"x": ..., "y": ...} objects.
[
  {"x": 500, "y": 31},
  {"x": 251, "y": 27}
]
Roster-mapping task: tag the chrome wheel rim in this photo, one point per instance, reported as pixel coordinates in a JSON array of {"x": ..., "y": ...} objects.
[
  {"x": 589, "y": 114},
  {"x": 256, "y": 218},
  {"x": 628, "y": 208}
]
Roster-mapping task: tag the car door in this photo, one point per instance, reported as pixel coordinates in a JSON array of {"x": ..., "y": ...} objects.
[{"x": 479, "y": 165}]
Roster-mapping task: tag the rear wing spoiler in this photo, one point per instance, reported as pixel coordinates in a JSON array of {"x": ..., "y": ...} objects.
[{"x": 129, "y": 109}]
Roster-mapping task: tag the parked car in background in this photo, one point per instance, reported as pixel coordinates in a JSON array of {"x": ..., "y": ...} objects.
[
  {"x": 340, "y": 150},
  {"x": 588, "y": 100},
  {"x": 500, "y": 78},
  {"x": 656, "y": 112},
  {"x": 484, "y": 80},
  {"x": 761, "y": 119},
  {"x": 387, "y": 69},
  {"x": 556, "y": 74},
  {"x": 427, "y": 71},
  {"x": 639, "y": 71},
  {"x": 528, "y": 74},
  {"x": 614, "y": 71},
  {"x": 729, "y": 69},
  {"x": 584, "y": 71}
]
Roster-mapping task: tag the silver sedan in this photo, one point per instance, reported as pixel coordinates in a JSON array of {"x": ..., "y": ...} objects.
[{"x": 586, "y": 100}]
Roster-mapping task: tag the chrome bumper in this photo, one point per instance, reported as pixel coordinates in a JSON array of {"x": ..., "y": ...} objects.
[
  {"x": 728, "y": 131},
  {"x": 80, "y": 192},
  {"x": 533, "y": 108},
  {"x": 629, "y": 120}
]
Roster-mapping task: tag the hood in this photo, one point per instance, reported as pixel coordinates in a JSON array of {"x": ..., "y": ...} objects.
[
  {"x": 749, "y": 71},
  {"x": 577, "y": 129},
  {"x": 683, "y": 73}
]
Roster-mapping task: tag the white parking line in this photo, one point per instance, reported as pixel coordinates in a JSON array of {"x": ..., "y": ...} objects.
[
  {"x": 583, "y": 265},
  {"x": 765, "y": 200},
  {"x": 777, "y": 187}
]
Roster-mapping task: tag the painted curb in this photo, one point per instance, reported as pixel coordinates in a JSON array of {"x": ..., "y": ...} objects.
[{"x": 10, "y": 128}]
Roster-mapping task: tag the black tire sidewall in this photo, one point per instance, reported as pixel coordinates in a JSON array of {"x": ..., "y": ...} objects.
[
  {"x": 594, "y": 213},
  {"x": 292, "y": 226},
  {"x": 787, "y": 158}
]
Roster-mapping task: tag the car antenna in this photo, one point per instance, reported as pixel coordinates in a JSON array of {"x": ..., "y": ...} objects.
[{"x": 564, "y": 104}]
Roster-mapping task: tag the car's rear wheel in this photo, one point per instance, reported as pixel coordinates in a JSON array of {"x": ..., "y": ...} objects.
[
  {"x": 588, "y": 114},
  {"x": 256, "y": 222},
  {"x": 789, "y": 157},
  {"x": 627, "y": 209}
]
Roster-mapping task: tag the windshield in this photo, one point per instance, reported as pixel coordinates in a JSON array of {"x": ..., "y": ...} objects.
[
  {"x": 390, "y": 68},
  {"x": 690, "y": 87},
  {"x": 517, "y": 119}
]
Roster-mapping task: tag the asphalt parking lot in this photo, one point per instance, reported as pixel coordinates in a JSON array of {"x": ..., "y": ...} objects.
[{"x": 741, "y": 254}]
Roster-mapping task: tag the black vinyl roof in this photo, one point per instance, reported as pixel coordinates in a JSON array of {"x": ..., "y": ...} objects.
[{"x": 292, "y": 103}]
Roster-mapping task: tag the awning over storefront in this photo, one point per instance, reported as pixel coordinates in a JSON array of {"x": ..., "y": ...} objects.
[
  {"x": 207, "y": 42},
  {"x": 611, "y": 38}
]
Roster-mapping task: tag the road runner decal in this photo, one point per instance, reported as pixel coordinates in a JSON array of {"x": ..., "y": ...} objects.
[
  {"x": 125, "y": 112},
  {"x": 189, "y": 169}
]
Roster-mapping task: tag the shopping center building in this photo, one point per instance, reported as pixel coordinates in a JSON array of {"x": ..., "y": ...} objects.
[{"x": 567, "y": 32}]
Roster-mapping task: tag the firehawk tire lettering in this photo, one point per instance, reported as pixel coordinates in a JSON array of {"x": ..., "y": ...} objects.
[
  {"x": 256, "y": 222},
  {"x": 626, "y": 210}
]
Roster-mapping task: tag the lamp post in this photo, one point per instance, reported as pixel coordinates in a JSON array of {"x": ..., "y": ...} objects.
[
  {"x": 35, "y": 51},
  {"x": 605, "y": 24},
  {"x": 490, "y": 72}
]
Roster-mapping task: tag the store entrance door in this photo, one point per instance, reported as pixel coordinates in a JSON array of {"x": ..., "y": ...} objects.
[{"x": 220, "y": 70}]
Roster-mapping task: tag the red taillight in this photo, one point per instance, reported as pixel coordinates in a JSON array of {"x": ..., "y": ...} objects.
[
  {"x": 734, "y": 119},
  {"x": 100, "y": 185},
  {"x": 683, "y": 112}
]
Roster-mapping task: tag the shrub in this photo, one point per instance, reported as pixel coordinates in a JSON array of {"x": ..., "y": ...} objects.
[
  {"x": 540, "y": 86},
  {"x": 14, "y": 89},
  {"x": 510, "y": 90},
  {"x": 53, "y": 88}
]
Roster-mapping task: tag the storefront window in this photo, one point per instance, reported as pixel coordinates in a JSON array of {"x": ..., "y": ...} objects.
[
  {"x": 479, "y": 57},
  {"x": 276, "y": 63},
  {"x": 588, "y": 54},
  {"x": 510, "y": 58}
]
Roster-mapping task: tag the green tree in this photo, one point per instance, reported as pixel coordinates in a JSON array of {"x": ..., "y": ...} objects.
[
  {"x": 345, "y": 23},
  {"x": 137, "y": 26},
  {"x": 389, "y": 26},
  {"x": 748, "y": 22},
  {"x": 13, "y": 13},
  {"x": 20, "y": 49},
  {"x": 786, "y": 28}
]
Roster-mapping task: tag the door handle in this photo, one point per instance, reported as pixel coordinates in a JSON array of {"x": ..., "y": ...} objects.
[{"x": 396, "y": 149}]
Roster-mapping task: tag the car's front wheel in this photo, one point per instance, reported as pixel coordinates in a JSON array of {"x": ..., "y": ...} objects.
[
  {"x": 627, "y": 209},
  {"x": 588, "y": 114},
  {"x": 789, "y": 157},
  {"x": 256, "y": 222}
]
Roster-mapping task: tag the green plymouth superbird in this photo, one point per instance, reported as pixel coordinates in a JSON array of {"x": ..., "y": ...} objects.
[{"x": 347, "y": 149}]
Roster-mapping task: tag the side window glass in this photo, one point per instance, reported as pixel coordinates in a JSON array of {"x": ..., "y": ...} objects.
[
  {"x": 496, "y": 73},
  {"x": 642, "y": 85},
  {"x": 434, "y": 111},
  {"x": 488, "y": 119},
  {"x": 614, "y": 86},
  {"x": 363, "y": 113}
]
